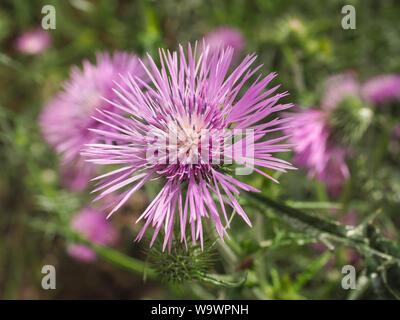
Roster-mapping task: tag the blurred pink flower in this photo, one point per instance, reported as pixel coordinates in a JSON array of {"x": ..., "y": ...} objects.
[
  {"x": 338, "y": 87},
  {"x": 315, "y": 148},
  {"x": 82, "y": 252},
  {"x": 223, "y": 37},
  {"x": 382, "y": 88},
  {"x": 76, "y": 175},
  {"x": 67, "y": 117},
  {"x": 33, "y": 42},
  {"x": 315, "y": 151},
  {"x": 93, "y": 225}
]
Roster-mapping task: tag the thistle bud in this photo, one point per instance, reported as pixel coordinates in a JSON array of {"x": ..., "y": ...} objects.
[
  {"x": 291, "y": 29},
  {"x": 349, "y": 120},
  {"x": 185, "y": 262}
]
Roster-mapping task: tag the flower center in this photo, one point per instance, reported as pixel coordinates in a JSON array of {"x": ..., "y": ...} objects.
[
  {"x": 91, "y": 100},
  {"x": 185, "y": 141}
]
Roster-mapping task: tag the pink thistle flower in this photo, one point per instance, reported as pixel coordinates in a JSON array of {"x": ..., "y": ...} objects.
[
  {"x": 223, "y": 38},
  {"x": 67, "y": 117},
  {"x": 339, "y": 87},
  {"x": 315, "y": 132},
  {"x": 187, "y": 96},
  {"x": 93, "y": 225},
  {"x": 315, "y": 148},
  {"x": 33, "y": 42},
  {"x": 382, "y": 88},
  {"x": 315, "y": 151}
]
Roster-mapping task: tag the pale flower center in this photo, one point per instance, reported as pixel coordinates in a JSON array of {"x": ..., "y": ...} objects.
[
  {"x": 90, "y": 101},
  {"x": 185, "y": 141}
]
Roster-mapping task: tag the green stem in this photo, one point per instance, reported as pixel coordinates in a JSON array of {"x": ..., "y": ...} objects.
[
  {"x": 128, "y": 263},
  {"x": 9, "y": 62},
  {"x": 120, "y": 260},
  {"x": 366, "y": 238},
  {"x": 111, "y": 255}
]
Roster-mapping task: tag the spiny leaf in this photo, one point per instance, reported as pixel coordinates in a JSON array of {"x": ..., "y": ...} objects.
[
  {"x": 368, "y": 241},
  {"x": 231, "y": 281},
  {"x": 315, "y": 266}
]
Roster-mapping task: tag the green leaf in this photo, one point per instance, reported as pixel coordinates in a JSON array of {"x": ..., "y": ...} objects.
[
  {"x": 367, "y": 240},
  {"x": 230, "y": 281},
  {"x": 121, "y": 260},
  {"x": 113, "y": 256},
  {"x": 312, "y": 270}
]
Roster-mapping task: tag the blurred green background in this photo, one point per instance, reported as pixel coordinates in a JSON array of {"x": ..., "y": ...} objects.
[{"x": 302, "y": 41}]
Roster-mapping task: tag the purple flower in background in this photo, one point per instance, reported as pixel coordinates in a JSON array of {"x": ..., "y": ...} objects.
[
  {"x": 311, "y": 134},
  {"x": 323, "y": 137},
  {"x": 338, "y": 88},
  {"x": 76, "y": 176},
  {"x": 314, "y": 150},
  {"x": 33, "y": 42},
  {"x": 336, "y": 172},
  {"x": 68, "y": 116},
  {"x": 382, "y": 88},
  {"x": 93, "y": 225},
  {"x": 223, "y": 37},
  {"x": 187, "y": 98},
  {"x": 82, "y": 253}
]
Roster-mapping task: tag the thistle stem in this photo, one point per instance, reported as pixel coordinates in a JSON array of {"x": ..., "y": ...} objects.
[
  {"x": 121, "y": 260},
  {"x": 366, "y": 238}
]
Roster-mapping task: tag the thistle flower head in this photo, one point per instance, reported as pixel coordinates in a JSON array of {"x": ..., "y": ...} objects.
[
  {"x": 176, "y": 130},
  {"x": 349, "y": 120},
  {"x": 315, "y": 151},
  {"x": 67, "y": 117},
  {"x": 324, "y": 136},
  {"x": 321, "y": 135}
]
